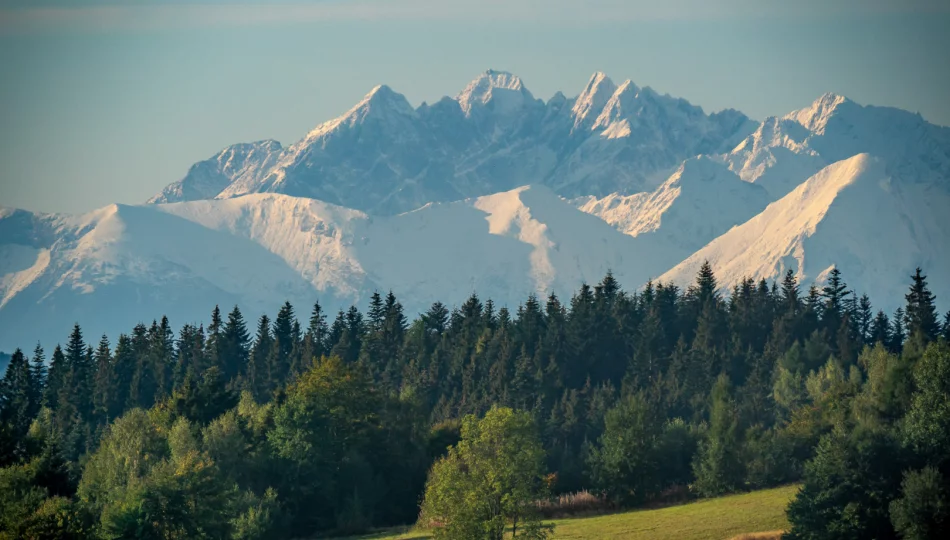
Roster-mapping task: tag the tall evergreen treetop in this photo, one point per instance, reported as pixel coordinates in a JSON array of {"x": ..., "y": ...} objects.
[
  {"x": 317, "y": 329},
  {"x": 375, "y": 313},
  {"x": 835, "y": 293},
  {"x": 880, "y": 331},
  {"x": 706, "y": 287},
  {"x": 56, "y": 377},
  {"x": 790, "y": 291},
  {"x": 898, "y": 331},
  {"x": 234, "y": 346},
  {"x": 38, "y": 375},
  {"x": 921, "y": 313}
]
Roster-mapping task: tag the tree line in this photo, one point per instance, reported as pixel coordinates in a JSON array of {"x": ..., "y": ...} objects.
[{"x": 291, "y": 428}]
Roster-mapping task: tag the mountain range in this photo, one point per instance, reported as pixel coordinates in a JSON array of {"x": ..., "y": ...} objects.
[{"x": 497, "y": 192}]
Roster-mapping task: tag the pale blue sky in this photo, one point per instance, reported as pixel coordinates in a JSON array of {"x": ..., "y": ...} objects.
[{"x": 107, "y": 101}]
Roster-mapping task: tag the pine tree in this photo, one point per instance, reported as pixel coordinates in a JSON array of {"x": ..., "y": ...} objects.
[
  {"x": 213, "y": 343},
  {"x": 56, "y": 378},
  {"x": 865, "y": 318},
  {"x": 921, "y": 314},
  {"x": 257, "y": 375},
  {"x": 162, "y": 356},
  {"x": 393, "y": 334},
  {"x": 38, "y": 374},
  {"x": 336, "y": 330},
  {"x": 946, "y": 326},
  {"x": 706, "y": 287},
  {"x": 16, "y": 406},
  {"x": 79, "y": 378},
  {"x": 189, "y": 353},
  {"x": 880, "y": 331},
  {"x": 284, "y": 334},
  {"x": 791, "y": 300},
  {"x": 374, "y": 316},
  {"x": 105, "y": 404},
  {"x": 124, "y": 367},
  {"x": 836, "y": 294},
  {"x": 234, "y": 342},
  {"x": 898, "y": 335},
  {"x": 143, "y": 386}
]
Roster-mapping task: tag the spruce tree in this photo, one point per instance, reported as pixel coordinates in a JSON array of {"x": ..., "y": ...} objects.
[
  {"x": 284, "y": 335},
  {"x": 38, "y": 374},
  {"x": 835, "y": 293},
  {"x": 234, "y": 342},
  {"x": 880, "y": 331},
  {"x": 921, "y": 313},
  {"x": 189, "y": 353},
  {"x": 336, "y": 330},
  {"x": 315, "y": 339},
  {"x": 124, "y": 367},
  {"x": 56, "y": 378},
  {"x": 143, "y": 386},
  {"x": 257, "y": 375},
  {"x": 162, "y": 352},
  {"x": 374, "y": 316},
  {"x": 946, "y": 326},
  {"x": 898, "y": 334},
  {"x": 864, "y": 319},
  {"x": 213, "y": 343},
  {"x": 393, "y": 334},
  {"x": 79, "y": 378},
  {"x": 16, "y": 390},
  {"x": 105, "y": 405}
]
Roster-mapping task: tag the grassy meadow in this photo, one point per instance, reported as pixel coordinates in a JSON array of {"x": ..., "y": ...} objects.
[{"x": 709, "y": 519}]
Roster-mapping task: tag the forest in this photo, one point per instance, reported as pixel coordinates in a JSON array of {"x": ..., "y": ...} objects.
[{"x": 314, "y": 424}]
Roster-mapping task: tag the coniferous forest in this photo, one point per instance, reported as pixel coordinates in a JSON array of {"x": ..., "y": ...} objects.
[{"x": 313, "y": 423}]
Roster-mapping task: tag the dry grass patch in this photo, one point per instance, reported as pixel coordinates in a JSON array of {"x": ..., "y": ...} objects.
[{"x": 767, "y": 535}]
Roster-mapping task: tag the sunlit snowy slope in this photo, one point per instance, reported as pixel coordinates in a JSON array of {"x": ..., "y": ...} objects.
[{"x": 501, "y": 193}]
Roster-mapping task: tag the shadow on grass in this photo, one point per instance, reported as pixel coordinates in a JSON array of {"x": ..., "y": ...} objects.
[{"x": 396, "y": 533}]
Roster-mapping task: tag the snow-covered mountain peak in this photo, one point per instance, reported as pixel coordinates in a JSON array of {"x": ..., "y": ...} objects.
[
  {"x": 851, "y": 214},
  {"x": 506, "y": 92},
  {"x": 380, "y": 100},
  {"x": 592, "y": 100},
  {"x": 699, "y": 201},
  {"x": 236, "y": 166},
  {"x": 702, "y": 170},
  {"x": 815, "y": 117}
]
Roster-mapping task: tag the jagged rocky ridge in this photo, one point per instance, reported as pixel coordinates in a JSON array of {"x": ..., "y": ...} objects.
[
  {"x": 621, "y": 179},
  {"x": 385, "y": 157}
]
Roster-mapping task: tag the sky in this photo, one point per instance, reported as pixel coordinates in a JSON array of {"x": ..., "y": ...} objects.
[{"x": 105, "y": 101}]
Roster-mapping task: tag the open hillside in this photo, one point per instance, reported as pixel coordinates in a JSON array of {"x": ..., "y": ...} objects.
[{"x": 711, "y": 519}]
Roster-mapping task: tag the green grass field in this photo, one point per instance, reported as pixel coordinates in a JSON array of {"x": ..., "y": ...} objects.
[{"x": 712, "y": 519}]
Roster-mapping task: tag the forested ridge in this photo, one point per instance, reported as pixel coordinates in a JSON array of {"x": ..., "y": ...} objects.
[{"x": 309, "y": 424}]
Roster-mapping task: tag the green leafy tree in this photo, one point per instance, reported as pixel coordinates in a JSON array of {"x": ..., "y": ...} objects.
[
  {"x": 927, "y": 424},
  {"x": 184, "y": 499},
  {"x": 626, "y": 463},
  {"x": 923, "y": 510},
  {"x": 489, "y": 480},
  {"x": 324, "y": 425},
  {"x": 848, "y": 487}
]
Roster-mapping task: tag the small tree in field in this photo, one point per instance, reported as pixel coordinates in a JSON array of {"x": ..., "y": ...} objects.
[{"x": 490, "y": 479}]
